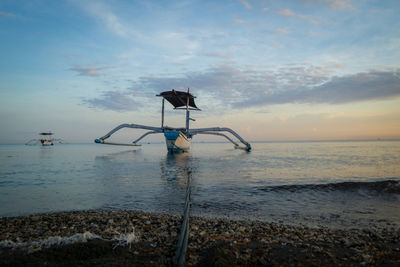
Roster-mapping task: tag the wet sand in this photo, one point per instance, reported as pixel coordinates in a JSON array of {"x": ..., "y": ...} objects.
[{"x": 132, "y": 238}]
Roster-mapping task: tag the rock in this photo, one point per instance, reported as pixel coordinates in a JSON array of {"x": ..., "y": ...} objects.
[{"x": 212, "y": 241}]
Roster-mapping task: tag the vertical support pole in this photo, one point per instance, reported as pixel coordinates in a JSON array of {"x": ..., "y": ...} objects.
[
  {"x": 187, "y": 114},
  {"x": 187, "y": 122},
  {"x": 162, "y": 114}
]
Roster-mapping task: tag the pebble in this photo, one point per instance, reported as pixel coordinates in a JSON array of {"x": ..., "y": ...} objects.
[{"x": 211, "y": 241}]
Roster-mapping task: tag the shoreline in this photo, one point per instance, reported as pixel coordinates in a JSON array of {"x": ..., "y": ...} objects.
[{"x": 122, "y": 237}]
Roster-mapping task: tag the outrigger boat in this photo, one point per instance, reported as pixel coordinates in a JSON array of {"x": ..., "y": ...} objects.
[
  {"x": 45, "y": 140},
  {"x": 177, "y": 139}
]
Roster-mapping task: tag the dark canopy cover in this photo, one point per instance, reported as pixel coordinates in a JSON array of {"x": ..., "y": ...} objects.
[{"x": 178, "y": 98}]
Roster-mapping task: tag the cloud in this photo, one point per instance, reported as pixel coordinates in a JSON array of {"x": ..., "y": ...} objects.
[
  {"x": 301, "y": 83},
  {"x": 88, "y": 71},
  {"x": 228, "y": 86},
  {"x": 373, "y": 85},
  {"x": 113, "y": 100},
  {"x": 104, "y": 14},
  {"x": 239, "y": 21},
  {"x": 338, "y": 65},
  {"x": 275, "y": 44},
  {"x": 246, "y": 4},
  {"x": 219, "y": 55},
  {"x": 231, "y": 85},
  {"x": 339, "y": 4},
  {"x": 290, "y": 13},
  {"x": 6, "y": 14},
  {"x": 280, "y": 30}
]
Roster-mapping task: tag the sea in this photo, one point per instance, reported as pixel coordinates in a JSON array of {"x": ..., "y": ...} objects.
[{"x": 334, "y": 184}]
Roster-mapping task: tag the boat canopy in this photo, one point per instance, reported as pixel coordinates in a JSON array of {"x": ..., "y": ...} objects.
[
  {"x": 179, "y": 99},
  {"x": 49, "y": 133}
]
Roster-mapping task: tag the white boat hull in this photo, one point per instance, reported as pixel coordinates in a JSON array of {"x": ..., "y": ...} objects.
[
  {"x": 177, "y": 141},
  {"x": 46, "y": 142}
]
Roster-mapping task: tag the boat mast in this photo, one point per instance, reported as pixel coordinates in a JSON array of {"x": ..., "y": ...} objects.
[
  {"x": 162, "y": 114},
  {"x": 187, "y": 113}
]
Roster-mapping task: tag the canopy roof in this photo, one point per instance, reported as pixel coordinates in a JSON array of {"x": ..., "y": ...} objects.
[
  {"x": 179, "y": 99},
  {"x": 49, "y": 133}
]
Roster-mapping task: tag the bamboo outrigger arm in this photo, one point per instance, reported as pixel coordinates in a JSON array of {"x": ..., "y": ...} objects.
[
  {"x": 220, "y": 134},
  {"x": 30, "y": 142},
  {"x": 125, "y": 125},
  {"x": 217, "y": 130},
  {"x": 144, "y": 135}
]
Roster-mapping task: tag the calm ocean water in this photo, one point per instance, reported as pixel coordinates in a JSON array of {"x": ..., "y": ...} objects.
[{"x": 349, "y": 184}]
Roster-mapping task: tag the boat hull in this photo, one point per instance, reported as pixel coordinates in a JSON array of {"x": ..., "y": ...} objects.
[
  {"x": 176, "y": 141},
  {"x": 46, "y": 142}
]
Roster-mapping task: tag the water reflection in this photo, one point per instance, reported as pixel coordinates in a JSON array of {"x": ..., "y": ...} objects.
[
  {"x": 134, "y": 179},
  {"x": 46, "y": 153},
  {"x": 115, "y": 155},
  {"x": 175, "y": 169}
]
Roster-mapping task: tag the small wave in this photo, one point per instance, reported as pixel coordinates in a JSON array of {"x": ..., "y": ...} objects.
[
  {"x": 387, "y": 186},
  {"x": 122, "y": 240},
  {"x": 50, "y": 241}
]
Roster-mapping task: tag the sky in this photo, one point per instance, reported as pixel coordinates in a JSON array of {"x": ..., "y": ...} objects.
[{"x": 270, "y": 70}]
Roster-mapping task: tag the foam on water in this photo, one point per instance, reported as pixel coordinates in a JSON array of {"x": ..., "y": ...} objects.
[
  {"x": 123, "y": 240},
  {"x": 50, "y": 241}
]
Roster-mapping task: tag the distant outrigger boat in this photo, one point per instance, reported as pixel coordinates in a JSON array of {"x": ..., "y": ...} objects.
[
  {"x": 177, "y": 139},
  {"x": 43, "y": 140}
]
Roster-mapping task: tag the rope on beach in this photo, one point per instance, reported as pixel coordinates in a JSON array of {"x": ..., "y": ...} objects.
[{"x": 179, "y": 258}]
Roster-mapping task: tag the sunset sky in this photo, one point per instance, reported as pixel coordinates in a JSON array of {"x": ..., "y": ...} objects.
[{"x": 271, "y": 70}]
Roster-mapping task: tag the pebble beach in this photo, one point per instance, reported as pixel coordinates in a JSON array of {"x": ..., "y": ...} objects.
[{"x": 129, "y": 238}]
